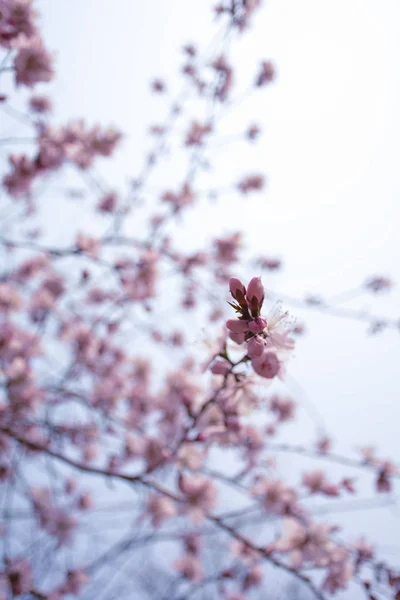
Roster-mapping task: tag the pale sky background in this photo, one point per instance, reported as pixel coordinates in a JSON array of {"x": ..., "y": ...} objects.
[{"x": 330, "y": 149}]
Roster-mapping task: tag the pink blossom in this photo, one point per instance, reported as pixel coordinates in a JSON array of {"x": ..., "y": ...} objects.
[
  {"x": 252, "y": 440},
  {"x": 278, "y": 330},
  {"x": 17, "y": 370},
  {"x": 193, "y": 543},
  {"x": 225, "y": 70},
  {"x": 88, "y": 244},
  {"x": 19, "y": 181},
  {"x": 238, "y": 338},
  {"x": 32, "y": 62},
  {"x": 270, "y": 263},
  {"x": 40, "y": 104},
  {"x": 237, "y": 289},
  {"x": 108, "y": 203},
  {"x": 190, "y": 568},
  {"x": 158, "y": 86},
  {"x": 197, "y": 133},
  {"x": 386, "y": 470},
  {"x": 85, "y": 501},
  {"x": 220, "y": 367},
  {"x": 316, "y": 482},
  {"x": 253, "y": 132},
  {"x": 190, "y": 50},
  {"x": 310, "y": 544},
  {"x": 154, "y": 453},
  {"x": 227, "y": 248},
  {"x": 257, "y": 325},
  {"x": 276, "y": 497},
  {"x": 283, "y": 408},
  {"x": 237, "y": 325},
  {"x": 191, "y": 457},
  {"x": 103, "y": 142},
  {"x": 255, "y": 296},
  {"x": 267, "y": 365},
  {"x": 53, "y": 519},
  {"x": 10, "y": 300},
  {"x": 54, "y": 284},
  {"x": 244, "y": 552},
  {"x": 41, "y": 303},
  {"x": 251, "y": 183},
  {"x": 255, "y": 347},
  {"x": 159, "y": 508},
  {"x": 340, "y": 571},
  {"x": 32, "y": 267},
  {"x": 180, "y": 200},
  {"x": 266, "y": 74},
  {"x": 17, "y": 18},
  {"x": 323, "y": 445},
  {"x": 199, "y": 494}
]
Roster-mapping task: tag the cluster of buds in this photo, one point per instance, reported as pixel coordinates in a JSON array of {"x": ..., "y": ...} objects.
[
  {"x": 248, "y": 302},
  {"x": 267, "y": 340}
]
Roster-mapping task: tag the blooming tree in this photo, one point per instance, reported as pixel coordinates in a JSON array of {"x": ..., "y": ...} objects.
[{"x": 119, "y": 438}]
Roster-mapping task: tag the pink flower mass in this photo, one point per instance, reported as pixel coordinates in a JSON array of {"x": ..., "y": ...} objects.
[{"x": 155, "y": 437}]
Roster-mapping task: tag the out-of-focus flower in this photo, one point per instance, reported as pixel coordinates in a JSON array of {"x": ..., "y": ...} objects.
[{"x": 32, "y": 63}]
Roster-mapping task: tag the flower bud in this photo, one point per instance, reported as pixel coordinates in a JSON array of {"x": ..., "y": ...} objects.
[
  {"x": 255, "y": 296},
  {"x": 237, "y": 289},
  {"x": 220, "y": 367},
  {"x": 255, "y": 347},
  {"x": 238, "y": 338},
  {"x": 237, "y": 326},
  {"x": 258, "y": 325}
]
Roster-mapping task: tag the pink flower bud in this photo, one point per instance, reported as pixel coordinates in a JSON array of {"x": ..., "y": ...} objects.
[
  {"x": 237, "y": 289},
  {"x": 238, "y": 338},
  {"x": 255, "y": 296},
  {"x": 220, "y": 367},
  {"x": 255, "y": 347},
  {"x": 267, "y": 365},
  {"x": 255, "y": 290},
  {"x": 237, "y": 326},
  {"x": 258, "y": 325}
]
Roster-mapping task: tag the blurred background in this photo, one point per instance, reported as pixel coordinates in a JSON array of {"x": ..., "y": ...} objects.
[{"x": 330, "y": 151}]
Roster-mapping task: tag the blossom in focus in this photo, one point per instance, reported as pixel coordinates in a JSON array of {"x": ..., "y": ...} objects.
[{"x": 268, "y": 340}]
